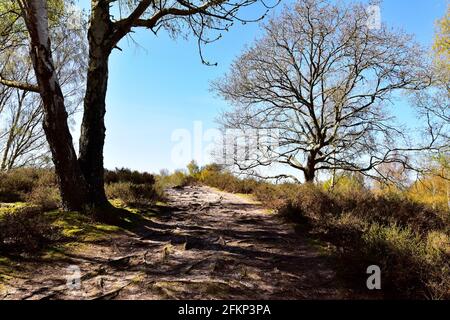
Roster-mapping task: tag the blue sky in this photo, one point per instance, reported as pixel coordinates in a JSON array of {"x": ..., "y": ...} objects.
[{"x": 160, "y": 85}]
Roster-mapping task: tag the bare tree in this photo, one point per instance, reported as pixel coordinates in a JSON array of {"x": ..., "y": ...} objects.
[
  {"x": 22, "y": 141},
  {"x": 323, "y": 80},
  {"x": 84, "y": 176}
]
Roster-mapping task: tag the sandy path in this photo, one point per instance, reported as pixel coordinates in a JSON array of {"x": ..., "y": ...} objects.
[{"x": 208, "y": 245}]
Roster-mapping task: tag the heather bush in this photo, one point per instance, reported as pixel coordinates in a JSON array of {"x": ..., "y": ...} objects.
[
  {"x": 132, "y": 194},
  {"x": 18, "y": 184},
  {"x": 45, "y": 196},
  {"x": 45, "y": 192},
  {"x": 25, "y": 229},
  {"x": 407, "y": 239},
  {"x": 127, "y": 175},
  {"x": 177, "y": 179},
  {"x": 132, "y": 187},
  {"x": 15, "y": 184}
]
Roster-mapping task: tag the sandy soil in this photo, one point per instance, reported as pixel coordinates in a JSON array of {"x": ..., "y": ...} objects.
[{"x": 207, "y": 245}]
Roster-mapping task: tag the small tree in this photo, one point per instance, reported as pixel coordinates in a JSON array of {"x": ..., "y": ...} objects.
[
  {"x": 193, "y": 168},
  {"x": 322, "y": 79}
]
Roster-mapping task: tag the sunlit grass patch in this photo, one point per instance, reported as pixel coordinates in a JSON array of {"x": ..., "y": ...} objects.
[
  {"x": 53, "y": 253},
  {"x": 250, "y": 198},
  {"x": 12, "y": 207}
]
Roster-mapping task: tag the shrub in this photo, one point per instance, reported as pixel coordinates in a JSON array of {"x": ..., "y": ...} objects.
[
  {"x": 47, "y": 197},
  {"x": 127, "y": 175},
  {"x": 215, "y": 176},
  {"x": 177, "y": 179},
  {"x": 410, "y": 264},
  {"x": 25, "y": 229},
  {"x": 132, "y": 194},
  {"x": 17, "y": 184},
  {"x": 132, "y": 187},
  {"x": 45, "y": 192}
]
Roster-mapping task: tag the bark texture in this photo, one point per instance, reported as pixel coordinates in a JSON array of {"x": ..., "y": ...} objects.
[
  {"x": 71, "y": 182},
  {"x": 93, "y": 129}
]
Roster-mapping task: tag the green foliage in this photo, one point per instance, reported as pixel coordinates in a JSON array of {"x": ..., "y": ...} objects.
[
  {"x": 216, "y": 176},
  {"x": 132, "y": 187},
  {"x": 345, "y": 183},
  {"x": 177, "y": 179},
  {"x": 193, "y": 168}
]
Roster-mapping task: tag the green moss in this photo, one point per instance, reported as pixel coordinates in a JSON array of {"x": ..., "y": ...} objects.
[
  {"x": 106, "y": 227},
  {"x": 117, "y": 203},
  {"x": 139, "y": 278},
  {"x": 54, "y": 253},
  {"x": 80, "y": 227},
  {"x": 12, "y": 207}
]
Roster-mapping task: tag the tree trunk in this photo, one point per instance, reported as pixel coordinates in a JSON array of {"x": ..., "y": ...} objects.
[
  {"x": 71, "y": 182},
  {"x": 310, "y": 170},
  {"x": 92, "y": 137}
]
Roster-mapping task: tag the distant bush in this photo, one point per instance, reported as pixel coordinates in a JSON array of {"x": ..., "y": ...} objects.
[
  {"x": 177, "y": 179},
  {"x": 127, "y": 175},
  {"x": 47, "y": 197},
  {"x": 133, "y": 194},
  {"x": 216, "y": 176},
  {"x": 17, "y": 184},
  {"x": 132, "y": 187},
  {"x": 45, "y": 192}
]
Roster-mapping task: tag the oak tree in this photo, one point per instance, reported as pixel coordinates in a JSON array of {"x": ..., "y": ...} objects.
[{"x": 321, "y": 80}]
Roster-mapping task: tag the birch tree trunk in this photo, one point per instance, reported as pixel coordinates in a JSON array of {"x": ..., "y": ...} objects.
[{"x": 71, "y": 182}]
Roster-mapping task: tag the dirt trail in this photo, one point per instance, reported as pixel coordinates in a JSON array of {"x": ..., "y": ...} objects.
[{"x": 208, "y": 245}]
